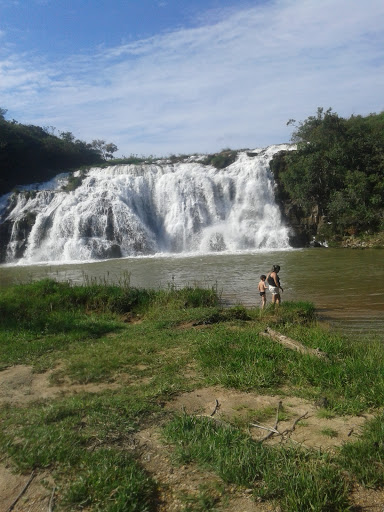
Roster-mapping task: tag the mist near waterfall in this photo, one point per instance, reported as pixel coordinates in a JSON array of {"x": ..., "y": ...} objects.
[{"x": 155, "y": 208}]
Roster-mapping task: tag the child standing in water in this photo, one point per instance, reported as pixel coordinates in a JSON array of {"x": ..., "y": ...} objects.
[{"x": 262, "y": 287}]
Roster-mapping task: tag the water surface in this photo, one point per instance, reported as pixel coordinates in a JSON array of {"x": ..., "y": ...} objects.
[{"x": 346, "y": 285}]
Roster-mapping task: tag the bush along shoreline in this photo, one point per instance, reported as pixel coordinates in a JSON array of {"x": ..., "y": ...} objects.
[{"x": 115, "y": 427}]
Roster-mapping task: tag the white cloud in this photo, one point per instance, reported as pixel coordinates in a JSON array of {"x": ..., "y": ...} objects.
[{"x": 233, "y": 82}]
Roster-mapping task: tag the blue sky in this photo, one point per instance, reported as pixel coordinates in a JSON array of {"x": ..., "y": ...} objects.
[{"x": 165, "y": 77}]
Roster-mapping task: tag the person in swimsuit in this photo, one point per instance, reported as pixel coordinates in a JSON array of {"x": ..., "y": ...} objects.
[
  {"x": 262, "y": 287},
  {"x": 274, "y": 284}
]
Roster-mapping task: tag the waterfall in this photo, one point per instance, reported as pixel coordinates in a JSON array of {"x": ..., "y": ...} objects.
[{"x": 135, "y": 210}]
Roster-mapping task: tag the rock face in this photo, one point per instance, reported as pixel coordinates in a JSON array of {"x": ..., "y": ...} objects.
[{"x": 304, "y": 228}]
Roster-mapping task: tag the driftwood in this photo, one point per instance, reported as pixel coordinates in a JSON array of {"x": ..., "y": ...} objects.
[
  {"x": 289, "y": 431},
  {"x": 293, "y": 344}
]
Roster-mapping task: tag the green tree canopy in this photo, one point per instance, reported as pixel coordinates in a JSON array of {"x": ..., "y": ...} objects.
[
  {"x": 30, "y": 154},
  {"x": 338, "y": 168}
]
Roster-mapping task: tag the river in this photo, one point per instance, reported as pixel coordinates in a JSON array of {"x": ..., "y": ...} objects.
[{"x": 346, "y": 285}]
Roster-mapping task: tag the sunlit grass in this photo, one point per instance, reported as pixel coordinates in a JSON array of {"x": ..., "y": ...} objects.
[
  {"x": 144, "y": 342},
  {"x": 300, "y": 480}
]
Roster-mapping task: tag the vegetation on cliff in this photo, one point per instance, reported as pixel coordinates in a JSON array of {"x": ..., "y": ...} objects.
[
  {"x": 30, "y": 154},
  {"x": 336, "y": 172},
  {"x": 123, "y": 365}
]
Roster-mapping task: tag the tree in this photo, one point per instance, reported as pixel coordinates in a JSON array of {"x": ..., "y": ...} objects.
[
  {"x": 67, "y": 136},
  {"x": 317, "y": 167},
  {"x": 338, "y": 169},
  {"x": 30, "y": 154},
  {"x": 110, "y": 149},
  {"x": 105, "y": 149}
]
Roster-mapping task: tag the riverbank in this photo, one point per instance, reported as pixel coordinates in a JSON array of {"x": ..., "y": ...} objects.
[
  {"x": 117, "y": 399},
  {"x": 364, "y": 242}
]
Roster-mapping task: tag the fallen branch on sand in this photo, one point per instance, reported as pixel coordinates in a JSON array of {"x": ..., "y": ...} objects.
[
  {"x": 293, "y": 344},
  {"x": 51, "y": 500},
  {"x": 217, "y": 407},
  {"x": 33, "y": 474},
  {"x": 273, "y": 430}
]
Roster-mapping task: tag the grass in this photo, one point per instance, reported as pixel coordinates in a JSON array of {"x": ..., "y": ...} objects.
[
  {"x": 145, "y": 340},
  {"x": 351, "y": 379},
  {"x": 365, "y": 457},
  {"x": 248, "y": 415},
  {"x": 62, "y": 436},
  {"x": 208, "y": 496},
  {"x": 325, "y": 413},
  {"x": 300, "y": 480},
  {"x": 329, "y": 432}
]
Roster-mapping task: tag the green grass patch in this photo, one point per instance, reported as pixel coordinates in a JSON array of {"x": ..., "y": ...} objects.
[
  {"x": 300, "y": 480},
  {"x": 364, "y": 458},
  {"x": 329, "y": 432},
  {"x": 208, "y": 496},
  {"x": 351, "y": 379},
  {"x": 157, "y": 344},
  {"x": 79, "y": 439},
  {"x": 325, "y": 413}
]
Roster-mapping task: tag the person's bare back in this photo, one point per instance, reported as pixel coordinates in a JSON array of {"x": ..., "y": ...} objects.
[{"x": 262, "y": 288}]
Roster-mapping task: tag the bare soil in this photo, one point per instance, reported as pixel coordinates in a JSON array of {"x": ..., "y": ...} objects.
[{"x": 19, "y": 386}]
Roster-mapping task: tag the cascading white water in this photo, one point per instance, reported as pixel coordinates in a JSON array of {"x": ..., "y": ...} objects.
[{"x": 133, "y": 210}]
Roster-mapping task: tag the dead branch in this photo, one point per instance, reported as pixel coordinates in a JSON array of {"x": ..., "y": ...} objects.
[
  {"x": 279, "y": 405},
  {"x": 217, "y": 407},
  {"x": 272, "y": 430},
  {"x": 275, "y": 426},
  {"x": 22, "y": 491},
  {"x": 293, "y": 344},
  {"x": 51, "y": 500},
  {"x": 290, "y": 430}
]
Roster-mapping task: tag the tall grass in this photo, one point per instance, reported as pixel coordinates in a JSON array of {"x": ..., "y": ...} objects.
[
  {"x": 44, "y": 316},
  {"x": 299, "y": 479},
  {"x": 364, "y": 458}
]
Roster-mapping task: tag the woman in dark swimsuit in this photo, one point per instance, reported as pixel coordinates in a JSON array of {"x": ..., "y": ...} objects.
[{"x": 274, "y": 284}]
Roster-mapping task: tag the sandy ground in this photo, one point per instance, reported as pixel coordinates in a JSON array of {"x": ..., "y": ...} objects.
[{"x": 20, "y": 386}]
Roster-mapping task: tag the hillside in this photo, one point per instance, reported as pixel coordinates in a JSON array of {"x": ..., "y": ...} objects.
[{"x": 30, "y": 154}]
